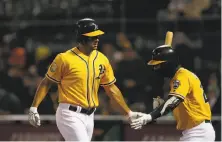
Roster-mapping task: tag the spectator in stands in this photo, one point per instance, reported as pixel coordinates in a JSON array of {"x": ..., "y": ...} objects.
[
  {"x": 194, "y": 8},
  {"x": 12, "y": 89},
  {"x": 110, "y": 51},
  {"x": 187, "y": 9},
  {"x": 17, "y": 57},
  {"x": 9, "y": 103},
  {"x": 122, "y": 41},
  {"x": 42, "y": 59},
  {"x": 131, "y": 82}
]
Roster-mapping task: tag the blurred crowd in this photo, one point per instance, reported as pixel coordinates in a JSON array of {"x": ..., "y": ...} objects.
[{"x": 24, "y": 60}]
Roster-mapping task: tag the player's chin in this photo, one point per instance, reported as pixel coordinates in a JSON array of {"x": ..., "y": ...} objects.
[{"x": 95, "y": 47}]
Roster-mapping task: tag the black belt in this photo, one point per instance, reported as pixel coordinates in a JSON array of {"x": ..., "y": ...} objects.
[
  {"x": 207, "y": 121},
  {"x": 83, "y": 110}
]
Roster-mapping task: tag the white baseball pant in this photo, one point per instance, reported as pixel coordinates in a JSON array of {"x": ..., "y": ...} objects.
[
  {"x": 74, "y": 126},
  {"x": 201, "y": 132}
]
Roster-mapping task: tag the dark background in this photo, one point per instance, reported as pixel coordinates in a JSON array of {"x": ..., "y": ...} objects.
[{"x": 33, "y": 32}]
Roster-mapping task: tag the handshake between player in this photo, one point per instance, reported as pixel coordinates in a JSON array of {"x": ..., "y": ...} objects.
[{"x": 143, "y": 118}]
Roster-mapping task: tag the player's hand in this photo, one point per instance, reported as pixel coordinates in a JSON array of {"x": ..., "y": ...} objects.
[
  {"x": 133, "y": 115},
  {"x": 34, "y": 118},
  {"x": 141, "y": 121},
  {"x": 157, "y": 102}
]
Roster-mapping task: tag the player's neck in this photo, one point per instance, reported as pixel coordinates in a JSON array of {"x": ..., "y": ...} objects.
[
  {"x": 84, "y": 50},
  {"x": 175, "y": 71}
]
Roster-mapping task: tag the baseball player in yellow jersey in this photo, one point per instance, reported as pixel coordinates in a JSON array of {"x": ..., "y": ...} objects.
[
  {"x": 78, "y": 73},
  {"x": 186, "y": 98}
]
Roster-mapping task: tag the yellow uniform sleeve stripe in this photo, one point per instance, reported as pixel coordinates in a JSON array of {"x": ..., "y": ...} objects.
[
  {"x": 109, "y": 83},
  {"x": 52, "y": 79},
  {"x": 178, "y": 95}
]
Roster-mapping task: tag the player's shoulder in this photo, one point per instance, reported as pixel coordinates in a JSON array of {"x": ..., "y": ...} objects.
[
  {"x": 185, "y": 73},
  {"x": 70, "y": 53},
  {"x": 63, "y": 55},
  {"x": 182, "y": 72},
  {"x": 102, "y": 56}
]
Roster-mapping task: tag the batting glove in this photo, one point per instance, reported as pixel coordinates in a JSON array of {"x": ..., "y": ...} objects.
[
  {"x": 34, "y": 118},
  {"x": 141, "y": 121},
  {"x": 133, "y": 115},
  {"x": 157, "y": 102}
]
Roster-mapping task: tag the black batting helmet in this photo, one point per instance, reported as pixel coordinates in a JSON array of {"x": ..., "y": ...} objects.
[
  {"x": 162, "y": 54},
  {"x": 166, "y": 59},
  {"x": 87, "y": 28}
]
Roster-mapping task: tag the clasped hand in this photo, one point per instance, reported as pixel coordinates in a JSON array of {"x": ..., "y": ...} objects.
[
  {"x": 137, "y": 119},
  {"x": 142, "y": 120}
]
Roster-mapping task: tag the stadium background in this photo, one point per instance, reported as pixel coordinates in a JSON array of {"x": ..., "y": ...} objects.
[{"x": 33, "y": 32}]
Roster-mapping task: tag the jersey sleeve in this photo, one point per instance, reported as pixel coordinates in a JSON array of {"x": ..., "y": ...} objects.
[
  {"x": 108, "y": 77},
  {"x": 180, "y": 86},
  {"x": 56, "y": 69}
]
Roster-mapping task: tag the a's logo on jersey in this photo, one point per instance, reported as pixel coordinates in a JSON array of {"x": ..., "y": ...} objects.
[
  {"x": 53, "y": 67},
  {"x": 176, "y": 84},
  {"x": 101, "y": 71}
]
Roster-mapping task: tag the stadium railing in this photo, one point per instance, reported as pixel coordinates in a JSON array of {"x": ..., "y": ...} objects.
[{"x": 107, "y": 128}]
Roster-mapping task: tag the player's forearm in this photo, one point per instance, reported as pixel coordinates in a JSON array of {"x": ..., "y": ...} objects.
[
  {"x": 41, "y": 92},
  {"x": 115, "y": 94},
  {"x": 166, "y": 107}
]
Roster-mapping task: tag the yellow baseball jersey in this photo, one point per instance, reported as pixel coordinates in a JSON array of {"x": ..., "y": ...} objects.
[
  {"x": 195, "y": 107},
  {"x": 79, "y": 76}
]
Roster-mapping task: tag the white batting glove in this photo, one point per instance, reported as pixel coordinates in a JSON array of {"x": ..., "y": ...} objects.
[
  {"x": 34, "y": 118},
  {"x": 133, "y": 115},
  {"x": 141, "y": 121},
  {"x": 157, "y": 102}
]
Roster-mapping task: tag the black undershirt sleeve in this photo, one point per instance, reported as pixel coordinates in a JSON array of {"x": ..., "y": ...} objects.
[{"x": 169, "y": 105}]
